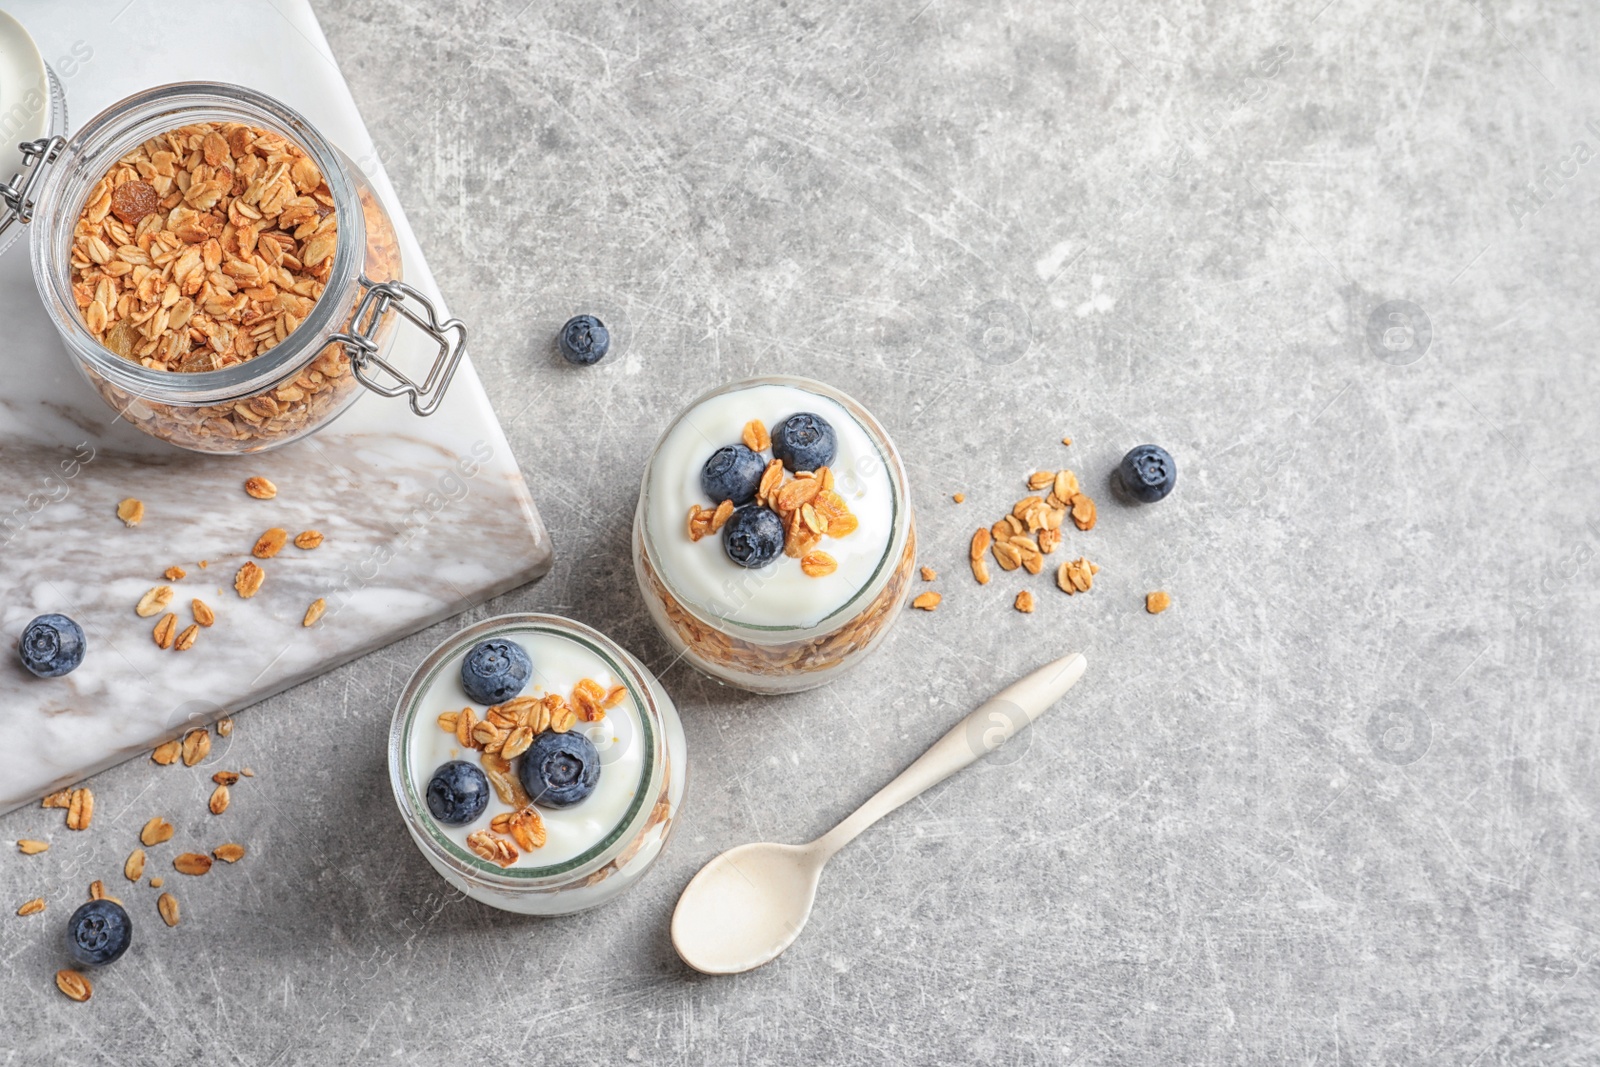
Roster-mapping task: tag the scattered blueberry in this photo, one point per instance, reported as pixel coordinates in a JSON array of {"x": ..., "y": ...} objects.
[
  {"x": 495, "y": 671},
  {"x": 753, "y": 536},
  {"x": 458, "y": 792},
  {"x": 733, "y": 473},
  {"x": 584, "y": 340},
  {"x": 51, "y": 646},
  {"x": 558, "y": 770},
  {"x": 99, "y": 932},
  {"x": 804, "y": 442},
  {"x": 1148, "y": 473}
]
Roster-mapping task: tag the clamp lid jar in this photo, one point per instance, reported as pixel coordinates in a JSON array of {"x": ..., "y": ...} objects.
[{"x": 198, "y": 316}]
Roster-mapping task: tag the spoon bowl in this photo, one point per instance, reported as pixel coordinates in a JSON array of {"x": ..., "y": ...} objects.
[
  {"x": 750, "y": 903},
  {"x": 746, "y": 906}
]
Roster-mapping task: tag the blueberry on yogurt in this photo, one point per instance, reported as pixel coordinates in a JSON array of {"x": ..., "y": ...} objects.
[
  {"x": 804, "y": 442},
  {"x": 1148, "y": 473},
  {"x": 753, "y": 536},
  {"x": 732, "y": 473},
  {"x": 558, "y": 770},
  {"x": 99, "y": 932},
  {"x": 51, "y": 646},
  {"x": 584, "y": 340},
  {"x": 458, "y": 792},
  {"x": 495, "y": 671}
]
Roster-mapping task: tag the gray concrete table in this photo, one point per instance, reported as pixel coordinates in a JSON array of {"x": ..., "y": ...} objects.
[{"x": 1335, "y": 806}]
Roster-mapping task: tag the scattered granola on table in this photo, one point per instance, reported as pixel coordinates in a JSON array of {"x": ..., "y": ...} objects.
[{"x": 1157, "y": 602}]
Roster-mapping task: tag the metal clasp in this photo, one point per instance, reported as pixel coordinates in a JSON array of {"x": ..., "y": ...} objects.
[
  {"x": 17, "y": 194},
  {"x": 361, "y": 345}
]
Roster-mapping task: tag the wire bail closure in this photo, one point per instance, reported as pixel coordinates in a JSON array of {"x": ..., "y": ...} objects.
[{"x": 378, "y": 300}]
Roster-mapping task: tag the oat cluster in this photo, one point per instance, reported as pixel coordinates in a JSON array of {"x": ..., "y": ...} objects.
[
  {"x": 1027, "y": 534},
  {"x": 203, "y": 247},
  {"x": 505, "y": 732},
  {"x": 808, "y": 504}
]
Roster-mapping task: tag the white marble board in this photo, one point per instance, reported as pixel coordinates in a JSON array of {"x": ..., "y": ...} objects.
[{"x": 423, "y": 517}]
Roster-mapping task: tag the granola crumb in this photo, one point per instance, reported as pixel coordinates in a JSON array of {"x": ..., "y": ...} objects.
[
  {"x": 1024, "y": 602},
  {"x": 314, "y": 612},
  {"x": 131, "y": 511},
  {"x": 156, "y": 881},
  {"x": 247, "y": 583},
  {"x": 174, "y": 574},
  {"x": 30, "y": 847},
  {"x": 225, "y": 726},
  {"x": 756, "y": 437},
  {"x": 167, "y": 905},
  {"x": 74, "y": 985},
  {"x": 927, "y": 601},
  {"x": 260, "y": 488},
  {"x": 202, "y": 612},
  {"x": 960, "y": 498},
  {"x": 308, "y": 539},
  {"x": 32, "y": 907},
  {"x": 1157, "y": 602},
  {"x": 1066, "y": 440},
  {"x": 929, "y": 574},
  {"x": 80, "y": 809},
  {"x": 270, "y": 543}
]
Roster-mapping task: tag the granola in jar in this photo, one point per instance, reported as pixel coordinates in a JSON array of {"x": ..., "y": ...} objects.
[
  {"x": 802, "y": 566},
  {"x": 224, "y": 277}
]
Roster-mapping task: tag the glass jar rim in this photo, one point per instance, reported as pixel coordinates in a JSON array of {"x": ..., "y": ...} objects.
[
  {"x": 899, "y": 519},
  {"x": 91, "y": 152},
  {"x": 408, "y": 795}
]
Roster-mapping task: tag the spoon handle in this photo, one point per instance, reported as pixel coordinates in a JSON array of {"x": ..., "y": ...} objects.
[{"x": 983, "y": 731}]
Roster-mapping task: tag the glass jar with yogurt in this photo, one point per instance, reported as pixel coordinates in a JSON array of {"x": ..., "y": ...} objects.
[
  {"x": 782, "y": 626},
  {"x": 591, "y": 850}
]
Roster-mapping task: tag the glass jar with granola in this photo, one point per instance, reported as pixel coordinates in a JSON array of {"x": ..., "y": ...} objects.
[
  {"x": 224, "y": 277},
  {"x": 538, "y": 766},
  {"x": 774, "y": 541}
]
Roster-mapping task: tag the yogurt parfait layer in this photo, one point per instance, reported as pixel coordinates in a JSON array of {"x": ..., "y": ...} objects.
[
  {"x": 538, "y": 765},
  {"x": 774, "y": 540}
]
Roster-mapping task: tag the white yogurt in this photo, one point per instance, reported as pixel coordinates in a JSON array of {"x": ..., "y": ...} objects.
[
  {"x": 559, "y": 663},
  {"x": 700, "y": 573}
]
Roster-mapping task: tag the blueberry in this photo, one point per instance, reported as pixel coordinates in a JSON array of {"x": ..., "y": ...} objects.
[
  {"x": 495, "y": 671},
  {"x": 99, "y": 932},
  {"x": 51, "y": 646},
  {"x": 558, "y": 770},
  {"x": 458, "y": 792},
  {"x": 1148, "y": 473},
  {"x": 584, "y": 340},
  {"x": 753, "y": 536},
  {"x": 804, "y": 442},
  {"x": 732, "y": 473}
]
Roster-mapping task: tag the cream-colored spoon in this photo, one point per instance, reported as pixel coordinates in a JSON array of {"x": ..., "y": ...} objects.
[{"x": 750, "y": 903}]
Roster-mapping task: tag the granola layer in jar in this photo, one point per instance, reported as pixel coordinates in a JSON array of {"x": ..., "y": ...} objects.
[
  {"x": 826, "y": 600},
  {"x": 519, "y": 853},
  {"x": 223, "y": 276}
]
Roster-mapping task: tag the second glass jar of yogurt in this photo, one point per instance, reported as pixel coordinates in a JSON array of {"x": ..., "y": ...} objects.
[
  {"x": 822, "y": 603},
  {"x": 536, "y": 852}
]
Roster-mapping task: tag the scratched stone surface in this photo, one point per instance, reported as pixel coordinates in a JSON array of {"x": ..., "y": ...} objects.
[{"x": 1336, "y": 806}]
